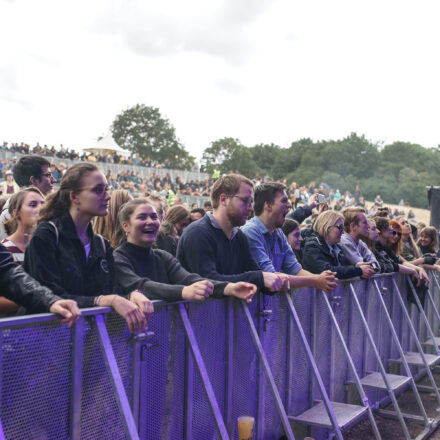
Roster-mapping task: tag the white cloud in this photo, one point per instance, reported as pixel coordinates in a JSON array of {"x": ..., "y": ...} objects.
[{"x": 261, "y": 71}]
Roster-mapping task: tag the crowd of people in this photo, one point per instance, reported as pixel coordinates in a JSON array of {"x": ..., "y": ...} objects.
[
  {"x": 85, "y": 244},
  {"x": 88, "y": 156}
]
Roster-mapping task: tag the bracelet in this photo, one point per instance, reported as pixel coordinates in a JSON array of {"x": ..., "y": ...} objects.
[{"x": 97, "y": 300}]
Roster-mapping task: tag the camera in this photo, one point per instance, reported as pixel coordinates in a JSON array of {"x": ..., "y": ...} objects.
[{"x": 375, "y": 266}]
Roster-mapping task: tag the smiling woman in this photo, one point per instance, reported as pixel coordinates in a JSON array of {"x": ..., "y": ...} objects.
[
  {"x": 65, "y": 254},
  {"x": 157, "y": 273}
]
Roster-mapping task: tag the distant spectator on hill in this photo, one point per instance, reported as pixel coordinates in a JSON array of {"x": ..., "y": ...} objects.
[
  {"x": 357, "y": 195},
  {"x": 302, "y": 212},
  {"x": 378, "y": 201}
]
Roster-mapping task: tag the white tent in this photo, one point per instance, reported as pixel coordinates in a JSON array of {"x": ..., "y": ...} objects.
[{"x": 107, "y": 145}]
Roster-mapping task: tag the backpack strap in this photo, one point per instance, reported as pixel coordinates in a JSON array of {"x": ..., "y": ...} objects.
[{"x": 56, "y": 231}]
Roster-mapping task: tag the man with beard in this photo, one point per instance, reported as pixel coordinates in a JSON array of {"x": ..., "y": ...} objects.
[
  {"x": 355, "y": 250},
  {"x": 269, "y": 245},
  {"x": 215, "y": 247}
]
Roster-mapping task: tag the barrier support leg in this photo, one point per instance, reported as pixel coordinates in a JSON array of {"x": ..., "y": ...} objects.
[
  {"x": 416, "y": 339},
  {"x": 401, "y": 353},
  {"x": 267, "y": 371},
  {"x": 77, "y": 375},
  {"x": 359, "y": 387},
  {"x": 116, "y": 380},
  {"x": 380, "y": 364},
  {"x": 201, "y": 368},
  {"x": 326, "y": 399}
]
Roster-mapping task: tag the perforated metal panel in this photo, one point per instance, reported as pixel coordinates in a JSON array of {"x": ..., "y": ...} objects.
[
  {"x": 100, "y": 417},
  {"x": 36, "y": 382},
  {"x": 163, "y": 376}
]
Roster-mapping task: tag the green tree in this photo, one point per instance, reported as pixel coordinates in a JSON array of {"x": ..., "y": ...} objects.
[
  {"x": 142, "y": 129},
  {"x": 230, "y": 155}
]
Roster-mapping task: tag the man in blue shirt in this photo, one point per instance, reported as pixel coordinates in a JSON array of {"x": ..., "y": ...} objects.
[{"x": 269, "y": 245}]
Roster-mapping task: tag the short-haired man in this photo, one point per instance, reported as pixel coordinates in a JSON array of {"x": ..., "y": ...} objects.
[
  {"x": 215, "y": 247},
  {"x": 29, "y": 170},
  {"x": 355, "y": 250},
  {"x": 269, "y": 245}
]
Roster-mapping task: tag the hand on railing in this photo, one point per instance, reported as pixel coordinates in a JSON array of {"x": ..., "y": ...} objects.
[
  {"x": 145, "y": 305},
  {"x": 326, "y": 281},
  {"x": 135, "y": 318},
  {"x": 198, "y": 291},
  {"x": 68, "y": 309},
  {"x": 273, "y": 281},
  {"x": 241, "y": 290},
  {"x": 367, "y": 269}
]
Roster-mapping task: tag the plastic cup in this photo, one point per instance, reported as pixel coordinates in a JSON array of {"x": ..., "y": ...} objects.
[{"x": 245, "y": 427}]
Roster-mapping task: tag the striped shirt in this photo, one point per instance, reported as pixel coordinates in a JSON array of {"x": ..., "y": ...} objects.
[{"x": 17, "y": 253}]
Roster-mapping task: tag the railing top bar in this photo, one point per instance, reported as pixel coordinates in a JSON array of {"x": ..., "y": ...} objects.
[{"x": 46, "y": 317}]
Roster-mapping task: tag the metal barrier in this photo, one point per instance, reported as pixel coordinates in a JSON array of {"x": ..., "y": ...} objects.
[
  {"x": 119, "y": 168},
  {"x": 293, "y": 361}
]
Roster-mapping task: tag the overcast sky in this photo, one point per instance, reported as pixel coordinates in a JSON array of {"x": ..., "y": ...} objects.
[{"x": 259, "y": 70}]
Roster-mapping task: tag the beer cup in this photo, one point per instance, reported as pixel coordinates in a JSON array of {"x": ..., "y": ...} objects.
[{"x": 245, "y": 428}]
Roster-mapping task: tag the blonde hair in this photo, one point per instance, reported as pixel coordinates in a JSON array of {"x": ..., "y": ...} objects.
[
  {"x": 325, "y": 221},
  {"x": 108, "y": 225}
]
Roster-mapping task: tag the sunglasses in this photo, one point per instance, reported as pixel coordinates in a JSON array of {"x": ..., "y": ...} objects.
[
  {"x": 397, "y": 233},
  {"x": 340, "y": 227}
]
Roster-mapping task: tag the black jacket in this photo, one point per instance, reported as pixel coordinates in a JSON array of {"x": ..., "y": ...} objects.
[
  {"x": 155, "y": 272},
  {"x": 317, "y": 258},
  {"x": 206, "y": 250},
  {"x": 61, "y": 264},
  {"x": 387, "y": 259},
  {"x": 18, "y": 286}
]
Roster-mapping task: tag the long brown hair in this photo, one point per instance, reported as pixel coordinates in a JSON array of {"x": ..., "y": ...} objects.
[
  {"x": 59, "y": 202},
  {"x": 108, "y": 225},
  {"x": 15, "y": 204},
  {"x": 430, "y": 232}
]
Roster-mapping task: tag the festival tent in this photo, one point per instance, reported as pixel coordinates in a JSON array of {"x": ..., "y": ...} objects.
[{"x": 107, "y": 145}]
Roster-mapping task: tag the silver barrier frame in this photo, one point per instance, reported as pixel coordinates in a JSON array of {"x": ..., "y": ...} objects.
[{"x": 131, "y": 407}]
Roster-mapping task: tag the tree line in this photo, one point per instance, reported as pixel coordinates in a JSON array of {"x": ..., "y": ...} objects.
[{"x": 400, "y": 170}]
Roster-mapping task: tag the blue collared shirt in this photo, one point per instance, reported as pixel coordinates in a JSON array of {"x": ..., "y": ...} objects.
[{"x": 271, "y": 251}]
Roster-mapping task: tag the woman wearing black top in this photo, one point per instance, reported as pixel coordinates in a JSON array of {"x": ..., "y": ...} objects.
[
  {"x": 65, "y": 254},
  {"x": 157, "y": 273}
]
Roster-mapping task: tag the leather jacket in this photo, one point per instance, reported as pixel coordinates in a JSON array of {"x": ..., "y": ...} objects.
[{"x": 18, "y": 286}]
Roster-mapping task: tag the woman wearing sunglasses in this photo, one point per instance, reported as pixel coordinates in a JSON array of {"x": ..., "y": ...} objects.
[
  {"x": 321, "y": 250},
  {"x": 65, "y": 254}
]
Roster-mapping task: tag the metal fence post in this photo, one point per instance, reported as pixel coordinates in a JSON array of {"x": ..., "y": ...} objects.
[
  {"x": 229, "y": 362},
  {"x": 268, "y": 373},
  {"x": 200, "y": 365},
  {"x": 76, "y": 378},
  {"x": 116, "y": 380}
]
